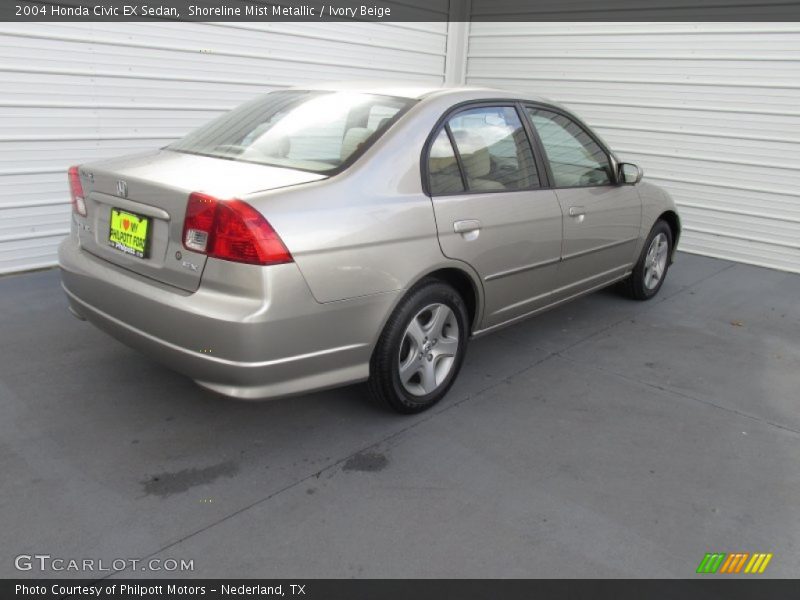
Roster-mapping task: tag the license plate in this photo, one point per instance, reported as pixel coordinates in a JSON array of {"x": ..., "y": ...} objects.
[{"x": 129, "y": 233}]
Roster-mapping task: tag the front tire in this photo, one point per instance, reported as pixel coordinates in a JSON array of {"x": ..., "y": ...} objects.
[
  {"x": 421, "y": 348},
  {"x": 651, "y": 269}
]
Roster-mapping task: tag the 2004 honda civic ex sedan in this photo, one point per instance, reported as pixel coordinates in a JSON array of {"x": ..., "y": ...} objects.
[{"x": 318, "y": 237}]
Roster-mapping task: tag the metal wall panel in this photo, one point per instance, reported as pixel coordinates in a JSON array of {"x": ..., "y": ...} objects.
[
  {"x": 711, "y": 111},
  {"x": 74, "y": 92}
]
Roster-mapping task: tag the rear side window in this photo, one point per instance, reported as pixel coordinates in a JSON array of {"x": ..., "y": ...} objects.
[
  {"x": 313, "y": 131},
  {"x": 492, "y": 153},
  {"x": 576, "y": 160},
  {"x": 494, "y": 149},
  {"x": 445, "y": 176}
]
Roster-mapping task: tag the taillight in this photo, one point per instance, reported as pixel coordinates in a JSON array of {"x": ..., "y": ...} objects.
[
  {"x": 76, "y": 191},
  {"x": 231, "y": 230}
]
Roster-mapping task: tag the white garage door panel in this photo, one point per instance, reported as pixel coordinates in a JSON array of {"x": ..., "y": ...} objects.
[
  {"x": 628, "y": 43},
  {"x": 25, "y": 86},
  {"x": 741, "y": 250},
  {"x": 27, "y": 121},
  {"x": 746, "y": 202},
  {"x": 614, "y": 31},
  {"x": 35, "y": 219},
  {"x": 183, "y": 62},
  {"x": 710, "y": 111},
  {"x": 736, "y": 174},
  {"x": 684, "y": 72},
  {"x": 45, "y": 153},
  {"x": 728, "y": 150},
  {"x": 781, "y": 233},
  {"x": 696, "y": 122},
  {"x": 37, "y": 187},
  {"x": 33, "y": 251},
  {"x": 400, "y": 36},
  {"x": 71, "y": 93},
  {"x": 739, "y": 96}
]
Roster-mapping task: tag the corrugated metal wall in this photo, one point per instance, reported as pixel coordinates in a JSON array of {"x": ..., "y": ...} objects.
[
  {"x": 710, "y": 111},
  {"x": 81, "y": 91}
]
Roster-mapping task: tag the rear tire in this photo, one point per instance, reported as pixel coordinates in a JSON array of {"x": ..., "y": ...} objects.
[
  {"x": 421, "y": 349},
  {"x": 651, "y": 269}
]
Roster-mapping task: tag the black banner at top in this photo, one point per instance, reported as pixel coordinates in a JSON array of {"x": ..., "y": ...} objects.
[{"x": 400, "y": 10}]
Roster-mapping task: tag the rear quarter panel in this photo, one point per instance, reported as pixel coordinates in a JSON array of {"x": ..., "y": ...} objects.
[{"x": 350, "y": 240}]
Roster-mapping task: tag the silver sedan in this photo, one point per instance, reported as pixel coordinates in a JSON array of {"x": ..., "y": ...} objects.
[{"x": 319, "y": 237}]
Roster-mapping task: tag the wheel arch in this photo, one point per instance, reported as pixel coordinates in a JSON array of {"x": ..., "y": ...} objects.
[
  {"x": 466, "y": 282},
  {"x": 673, "y": 220},
  {"x": 465, "y": 285}
]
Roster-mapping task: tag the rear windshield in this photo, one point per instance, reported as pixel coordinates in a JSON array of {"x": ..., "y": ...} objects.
[{"x": 308, "y": 130}]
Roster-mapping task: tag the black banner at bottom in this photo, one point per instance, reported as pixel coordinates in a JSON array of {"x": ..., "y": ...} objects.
[{"x": 390, "y": 589}]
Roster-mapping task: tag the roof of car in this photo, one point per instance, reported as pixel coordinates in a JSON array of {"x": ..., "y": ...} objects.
[{"x": 412, "y": 90}]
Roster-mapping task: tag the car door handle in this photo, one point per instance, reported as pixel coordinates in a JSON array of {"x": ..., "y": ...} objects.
[
  {"x": 577, "y": 211},
  {"x": 467, "y": 226},
  {"x": 469, "y": 229}
]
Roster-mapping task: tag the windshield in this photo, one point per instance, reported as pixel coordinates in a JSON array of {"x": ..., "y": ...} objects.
[{"x": 309, "y": 130}]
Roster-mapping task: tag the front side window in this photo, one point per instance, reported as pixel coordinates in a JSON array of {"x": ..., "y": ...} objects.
[
  {"x": 494, "y": 149},
  {"x": 309, "y": 130},
  {"x": 576, "y": 160}
]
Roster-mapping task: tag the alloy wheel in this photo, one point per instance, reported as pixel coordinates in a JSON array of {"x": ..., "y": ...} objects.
[
  {"x": 655, "y": 262},
  {"x": 428, "y": 349}
]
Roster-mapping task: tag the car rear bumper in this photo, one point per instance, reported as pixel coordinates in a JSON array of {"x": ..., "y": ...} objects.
[{"x": 258, "y": 333}]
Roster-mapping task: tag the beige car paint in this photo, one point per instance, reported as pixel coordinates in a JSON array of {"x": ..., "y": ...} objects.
[{"x": 359, "y": 240}]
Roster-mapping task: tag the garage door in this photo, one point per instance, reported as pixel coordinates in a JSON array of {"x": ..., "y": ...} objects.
[
  {"x": 75, "y": 92},
  {"x": 710, "y": 111}
]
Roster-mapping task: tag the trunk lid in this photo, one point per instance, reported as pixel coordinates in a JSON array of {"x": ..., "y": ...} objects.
[{"x": 157, "y": 185}]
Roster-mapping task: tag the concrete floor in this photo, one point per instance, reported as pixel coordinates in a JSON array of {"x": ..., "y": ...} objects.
[{"x": 607, "y": 438}]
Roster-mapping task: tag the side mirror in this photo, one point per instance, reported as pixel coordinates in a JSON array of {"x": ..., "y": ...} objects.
[{"x": 629, "y": 174}]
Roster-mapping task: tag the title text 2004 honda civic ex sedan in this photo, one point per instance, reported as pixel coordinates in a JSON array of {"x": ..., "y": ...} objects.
[{"x": 319, "y": 237}]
